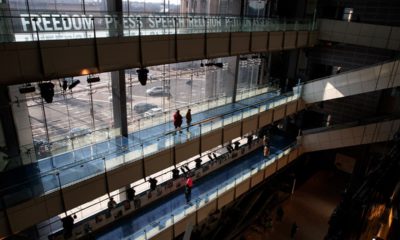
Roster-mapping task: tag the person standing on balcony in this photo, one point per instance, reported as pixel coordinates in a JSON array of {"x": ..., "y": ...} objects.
[
  {"x": 188, "y": 189},
  {"x": 177, "y": 120},
  {"x": 188, "y": 118}
]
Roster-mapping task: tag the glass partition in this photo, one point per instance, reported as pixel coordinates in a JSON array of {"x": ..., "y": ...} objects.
[
  {"x": 24, "y": 26},
  {"x": 92, "y": 160}
]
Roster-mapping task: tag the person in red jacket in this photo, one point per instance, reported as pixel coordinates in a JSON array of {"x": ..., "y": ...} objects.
[
  {"x": 188, "y": 189},
  {"x": 177, "y": 120}
]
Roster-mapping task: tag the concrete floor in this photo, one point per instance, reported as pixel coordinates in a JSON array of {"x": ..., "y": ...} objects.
[{"x": 310, "y": 207}]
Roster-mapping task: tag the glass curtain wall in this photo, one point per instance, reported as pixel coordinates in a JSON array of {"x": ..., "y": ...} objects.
[
  {"x": 250, "y": 76},
  {"x": 177, "y": 86},
  {"x": 58, "y": 6},
  {"x": 202, "y": 7},
  {"x": 77, "y": 116}
]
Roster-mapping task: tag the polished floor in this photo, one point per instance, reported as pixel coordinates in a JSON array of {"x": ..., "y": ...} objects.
[{"x": 310, "y": 207}]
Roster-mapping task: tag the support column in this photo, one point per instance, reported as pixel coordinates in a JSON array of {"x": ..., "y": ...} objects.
[
  {"x": 292, "y": 64},
  {"x": 6, "y": 31},
  {"x": 22, "y": 130},
  {"x": 9, "y": 135},
  {"x": 119, "y": 102},
  {"x": 237, "y": 69}
]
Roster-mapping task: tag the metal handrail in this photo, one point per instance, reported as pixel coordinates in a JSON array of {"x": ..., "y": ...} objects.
[
  {"x": 351, "y": 71},
  {"x": 353, "y": 124},
  {"x": 51, "y": 172}
]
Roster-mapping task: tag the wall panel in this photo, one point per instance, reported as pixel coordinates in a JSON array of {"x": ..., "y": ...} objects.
[
  {"x": 279, "y": 113},
  {"x": 257, "y": 178},
  {"x": 275, "y": 41},
  {"x": 313, "y": 38},
  {"x": 226, "y": 198},
  {"x": 164, "y": 235},
  {"x": 122, "y": 176},
  {"x": 269, "y": 170},
  {"x": 240, "y": 42},
  {"x": 282, "y": 161},
  {"x": 112, "y": 53},
  {"x": 291, "y": 108},
  {"x": 242, "y": 187},
  {"x": 180, "y": 226},
  {"x": 186, "y": 51},
  {"x": 250, "y": 124},
  {"x": 302, "y": 38},
  {"x": 158, "y": 49},
  {"x": 158, "y": 161},
  {"x": 85, "y": 191},
  {"x": 23, "y": 217},
  {"x": 259, "y": 42},
  {"x": 211, "y": 140},
  {"x": 217, "y": 45},
  {"x": 266, "y": 117},
  {"x": 187, "y": 150},
  {"x": 293, "y": 155},
  {"x": 232, "y": 131},
  {"x": 70, "y": 59},
  {"x": 206, "y": 210},
  {"x": 290, "y": 40}
]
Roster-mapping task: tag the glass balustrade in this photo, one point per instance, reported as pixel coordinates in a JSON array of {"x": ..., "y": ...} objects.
[
  {"x": 206, "y": 195},
  {"x": 54, "y": 26},
  {"x": 71, "y": 167}
]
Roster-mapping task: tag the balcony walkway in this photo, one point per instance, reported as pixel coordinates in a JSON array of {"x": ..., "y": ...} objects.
[
  {"x": 39, "y": 178},
  {"x": 134, "y": 227}
]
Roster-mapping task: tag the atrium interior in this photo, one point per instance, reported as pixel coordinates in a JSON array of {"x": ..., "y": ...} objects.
[{"x": 284, "y": 114}]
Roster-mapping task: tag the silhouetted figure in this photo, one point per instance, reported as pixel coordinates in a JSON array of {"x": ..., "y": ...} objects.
[
  {"x": 177, "y": 120},
  {"x": 185, "y": 170},
  {"x": 229, "y": 148},
  {"x": 130, "y": 194},
  {"x": 210, "y": 157},
  {"x": 188, "y": 118},
  {"x": 293, "y": 230},
  {"x": 68, "y": 225},
  {"x": 249, "y": 140},
  {"x": 111, "y": 203},
  {"x": 175, "y": 173},
  {"x": 214, "y": 156},
  {"x": 237, "y": 144},
  {"x": 198, "y": 162},
  {"x": 153, "y": 183}
]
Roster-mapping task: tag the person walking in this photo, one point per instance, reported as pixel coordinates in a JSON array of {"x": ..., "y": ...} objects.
[
  {"x": 111, "y": 204},
  {"x": 188, "y": 118},
  {"x": 265, "y": 141},
  {"x": 177, "y": 120},
  {"x": 188, "y": 189},
  {"x": 293, "y": 230}
]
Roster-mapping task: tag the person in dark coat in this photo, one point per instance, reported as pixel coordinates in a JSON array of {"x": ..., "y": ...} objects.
[
  {"x": 177, "y": 120},
  {"x": 68, "y": 225},
  {"x": 188, "y": 118}
]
